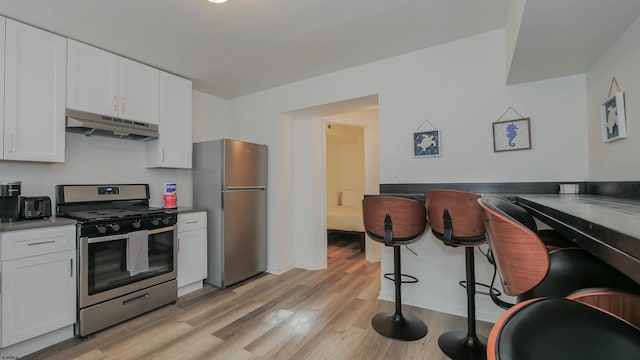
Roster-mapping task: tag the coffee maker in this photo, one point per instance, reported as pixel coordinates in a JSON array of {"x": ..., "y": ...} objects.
[{"x": 9, "y": 201}]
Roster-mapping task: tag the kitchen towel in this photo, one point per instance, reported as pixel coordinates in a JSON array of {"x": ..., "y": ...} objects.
[{"x": 138, "y": 252}]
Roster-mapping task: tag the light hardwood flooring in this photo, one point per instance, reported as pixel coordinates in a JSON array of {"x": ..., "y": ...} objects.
[{"x": 300, "y": 314}]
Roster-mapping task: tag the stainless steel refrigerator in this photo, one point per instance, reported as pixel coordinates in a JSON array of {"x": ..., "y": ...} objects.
[{"x": 230, "y": 182}]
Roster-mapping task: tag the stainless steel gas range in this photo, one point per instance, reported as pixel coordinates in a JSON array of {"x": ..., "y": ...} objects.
[{"x": 126, "y": 252}]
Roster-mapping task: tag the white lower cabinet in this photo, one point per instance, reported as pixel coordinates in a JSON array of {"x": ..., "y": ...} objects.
[
  {"x": 192, "y": 251},
  {"x": 38, "y": 282}
]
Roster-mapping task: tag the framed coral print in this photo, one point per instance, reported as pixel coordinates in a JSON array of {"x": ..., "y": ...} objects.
[
  {"x": 426, "y": 143},
  {"x": 614, "y": 124},
  {"x": 512, "y": 135}
]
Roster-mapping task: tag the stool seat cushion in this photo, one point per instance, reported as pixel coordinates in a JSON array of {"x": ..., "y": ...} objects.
[
  {"x": 572, "y": 269},
  {"x": 563, "y": 329}
]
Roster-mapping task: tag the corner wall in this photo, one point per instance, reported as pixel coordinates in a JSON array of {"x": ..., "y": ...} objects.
[{"x": 616, "y": 160}]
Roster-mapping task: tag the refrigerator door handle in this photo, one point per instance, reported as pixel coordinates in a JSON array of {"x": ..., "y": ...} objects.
[{"x": 245, "y": 188}]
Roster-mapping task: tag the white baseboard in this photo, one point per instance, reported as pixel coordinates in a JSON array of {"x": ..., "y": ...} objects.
[
  {"x": 280, "y": 270},
  {"x": 184, "y": 290},
  {"x": 449, "y": 308}
]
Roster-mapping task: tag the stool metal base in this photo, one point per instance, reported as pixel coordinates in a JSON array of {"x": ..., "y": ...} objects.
[
  {"x": 459, "y": 345},
  {"x": 399, "y": 326}
]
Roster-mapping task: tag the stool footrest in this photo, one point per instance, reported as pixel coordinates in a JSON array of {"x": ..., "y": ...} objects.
[
  {"x": 391, "y": 276},
  {"x": 463, "y": 283}
]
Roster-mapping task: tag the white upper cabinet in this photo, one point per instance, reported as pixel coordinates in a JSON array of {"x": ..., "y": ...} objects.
[
  {"x": 34, "y": 94},
  {"x": 107, "y": 84},
  {"x": 138, "y": 90},
  {"x": 2, "y": 38},
  {"x": 92, "y": 80},
  {"x": 173, "y": 148}
]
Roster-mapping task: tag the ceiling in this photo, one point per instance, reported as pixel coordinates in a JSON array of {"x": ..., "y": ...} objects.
[{"x": 244, "y": 46}]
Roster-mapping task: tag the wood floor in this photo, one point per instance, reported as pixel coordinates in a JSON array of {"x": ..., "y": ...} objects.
[{"x": 300, "y": 314}]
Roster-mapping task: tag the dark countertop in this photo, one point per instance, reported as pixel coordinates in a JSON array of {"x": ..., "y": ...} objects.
[
  {"x": 187, "y": 210},
  {"x": 605, "y": 226},
  {"x": 36, "y": 224},
  {"x": 616, "y": 214}
]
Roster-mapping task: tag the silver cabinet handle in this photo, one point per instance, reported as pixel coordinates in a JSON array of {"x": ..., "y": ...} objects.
[
  {"x": 10, "y": 142},
  {"x": 192, "y": 222},
  {"x": 71, "y": 268},
  {"x": 115, "y": 103},
  {"x": 141, "y": 297},
  {"x": 41, "y": 242},
  {"x": 162, "y": 154},
  {"x": 123, "y": 103}
]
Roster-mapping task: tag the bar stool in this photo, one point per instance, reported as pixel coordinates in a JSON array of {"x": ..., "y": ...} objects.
[
  {"x": 456, "y": 219},
  {"x": 551, "y": 239},
  {"x": 559, "y": 329},
  {"x": 528, "y": 270},
  {"x": 395, "y": 222}
]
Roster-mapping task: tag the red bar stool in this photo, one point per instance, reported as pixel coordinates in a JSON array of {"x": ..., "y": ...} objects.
[
  {"x": 395, "y": 222},
  {"x": 456, "y": 219}
]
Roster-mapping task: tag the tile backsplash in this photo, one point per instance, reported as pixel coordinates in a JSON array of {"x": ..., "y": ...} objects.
[{"x": 93, "y": 160}]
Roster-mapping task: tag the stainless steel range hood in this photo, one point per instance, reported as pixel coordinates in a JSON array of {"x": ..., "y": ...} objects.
[{"x": 93, "y": 124}]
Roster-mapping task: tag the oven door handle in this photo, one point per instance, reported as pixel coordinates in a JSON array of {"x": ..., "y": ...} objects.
[
  {"x": 161, "y": 230},
  {"x": 125, "y": 236},
  {"x": 105, "y": 238}
]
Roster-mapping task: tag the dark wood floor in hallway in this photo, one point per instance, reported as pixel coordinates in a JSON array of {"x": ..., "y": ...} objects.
[{"x": 300, "y": 314}]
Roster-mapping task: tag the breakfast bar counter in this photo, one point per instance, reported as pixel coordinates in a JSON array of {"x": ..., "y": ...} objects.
[{"x": 608, "y": 227}]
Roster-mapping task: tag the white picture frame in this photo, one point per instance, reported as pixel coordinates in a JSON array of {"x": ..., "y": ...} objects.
[
  {"x": 614, "y": 124},
  {"x": 427, "y": 143}
]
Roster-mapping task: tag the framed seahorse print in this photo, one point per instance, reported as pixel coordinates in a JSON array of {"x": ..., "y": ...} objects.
[{"x": 512, "y": 135}]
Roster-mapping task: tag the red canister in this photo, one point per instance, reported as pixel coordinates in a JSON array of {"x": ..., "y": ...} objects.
[{"x": 170, "y": 196}]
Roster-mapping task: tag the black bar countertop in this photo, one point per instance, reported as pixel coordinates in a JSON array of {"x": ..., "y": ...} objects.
[{"x": 608, "y": 227}]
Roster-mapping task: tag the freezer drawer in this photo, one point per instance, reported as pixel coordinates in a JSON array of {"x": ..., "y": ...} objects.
[{"x": 245, "y": 164}]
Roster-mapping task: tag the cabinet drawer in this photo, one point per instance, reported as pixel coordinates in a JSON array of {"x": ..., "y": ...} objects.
[
  {"x": 25, "y": 243},
  {"x": 192, "y": 221}
]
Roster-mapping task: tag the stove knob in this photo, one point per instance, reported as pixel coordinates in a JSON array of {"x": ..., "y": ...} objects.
[
  {"x": 165, "y": 220},
  {"x": 115, "y": 227},
  {"x": 136, "y": 224},
  {"x": 102, "y": 229},
  {"x": 155, "y": 222}
]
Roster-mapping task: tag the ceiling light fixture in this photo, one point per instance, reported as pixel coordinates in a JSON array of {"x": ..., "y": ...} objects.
[{"x": 218, "y": 1}]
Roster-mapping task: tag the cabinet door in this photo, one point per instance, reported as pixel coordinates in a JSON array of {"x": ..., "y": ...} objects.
[
  {"x": 38, "y": 295},
  {"x": 174, "y": 147},
  {"x": 138, "y": 91},
  {"x": 92, "y": 79},
  {"x": 2, "y": 38},
  {"x": 192, "y": 256},
  {"x": 35, "y": 81}
]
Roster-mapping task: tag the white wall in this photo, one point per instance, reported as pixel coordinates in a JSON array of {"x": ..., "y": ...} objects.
[
  {"x": 460, "y": 87},
  {"x": 211, "y": 117},
  {"x": 616, "y": 160},
  {"x": 308, "y": 183}
]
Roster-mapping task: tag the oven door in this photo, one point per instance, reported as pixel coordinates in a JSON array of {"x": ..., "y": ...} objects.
[{"x": 103, "y": 265}]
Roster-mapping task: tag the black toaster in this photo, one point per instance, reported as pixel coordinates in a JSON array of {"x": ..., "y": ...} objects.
[{"x": 35, "y": 207}]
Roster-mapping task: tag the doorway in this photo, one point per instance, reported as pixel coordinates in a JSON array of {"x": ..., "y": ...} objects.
[
  {"x": 344, "y": 160},
  {"x": 304, "y": 191}
]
